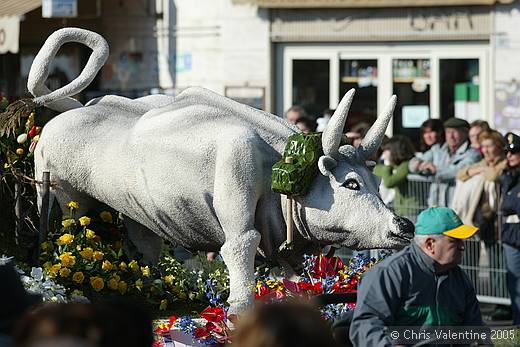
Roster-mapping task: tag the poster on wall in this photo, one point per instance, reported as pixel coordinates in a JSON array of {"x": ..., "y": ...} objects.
[{"x": 252, "y": 96}]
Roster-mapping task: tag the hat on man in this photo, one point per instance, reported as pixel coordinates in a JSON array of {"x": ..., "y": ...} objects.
[
  {"x": 512, "y": 143},
  {"x": 443, "y": 221},
  {"x": 456, "y": 123}
]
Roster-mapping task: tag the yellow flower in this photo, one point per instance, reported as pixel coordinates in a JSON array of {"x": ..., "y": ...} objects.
[
  {"x": 67, "y": 259},
  {"x": 122, "y": 266},
  {"x": 122, "y": 286},
  {"x": 134, "y": 266},
  {"x": 97, "y": 283},
  {"x": 73, "y": 205},
  {"x": 106, "y": 216},
  {"x": 107, "y": 265},
  {"x": 168, "y": 279},
  {"x": 90, "y": 234},
  {"x": 65, "y": 239},
  {"x": 54, "y": 270},
  {"x": 164, "y": 305},
  {"x": 78, "y": 277},
  {"x": 65, "y": 272},
  {"x": 139, "y": 284},
  {"x": 47, "y": 265},
  {"x": 83, "y": 221},
  {"x": 68, "y": 222},
  {"x": 146, "y": 271},
  {"x": 182, "y": 296},
  {"x": 98, "y": 255},
  {"x": 113, "y": 284},
  {"x": 87, "y": 253},
  {"x": 45, "y": 246}
]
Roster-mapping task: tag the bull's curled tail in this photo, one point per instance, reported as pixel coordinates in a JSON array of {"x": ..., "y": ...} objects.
[{"x": 60, "y": 100}]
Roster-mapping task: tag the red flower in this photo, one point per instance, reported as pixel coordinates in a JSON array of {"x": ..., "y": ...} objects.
[
  {"x": 327, "y": 266},
  {"x": 314, "y": 288},
  {"x": 33, "y": 132},
  {"x": 157, "y": 344},
  {"x": 263, "y": 290},
  {"x": 200, "y": 333},
  {"x": 213, "y": 314},
  {"x": 210, "y": 326},
  {"x": 291, "y": 286}
]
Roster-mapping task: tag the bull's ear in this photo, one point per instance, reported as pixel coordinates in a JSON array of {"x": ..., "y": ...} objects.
[{"x": 326, "y": 164}]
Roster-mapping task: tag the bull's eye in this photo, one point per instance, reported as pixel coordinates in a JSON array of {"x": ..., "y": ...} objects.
[{"x": 351, "y": 184}]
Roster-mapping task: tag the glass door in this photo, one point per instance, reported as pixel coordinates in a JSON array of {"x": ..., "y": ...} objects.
[
  {"x": 310, "y": 85},
  {"x": 360, "y": 74},
  {"x": 411, "y": 83},
  {"x": 459, "y": 89}
]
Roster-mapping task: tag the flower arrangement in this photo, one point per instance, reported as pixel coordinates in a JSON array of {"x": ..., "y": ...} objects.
[
  {"x": 86, "y": 257},
  {"x": 212, "y": 331},
  {"x": 321, "y": 275}
]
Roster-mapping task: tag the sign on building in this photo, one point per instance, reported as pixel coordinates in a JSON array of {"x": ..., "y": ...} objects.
[
  {"x": 9, "y": 33},
  {"x": 59, "y": 8}
]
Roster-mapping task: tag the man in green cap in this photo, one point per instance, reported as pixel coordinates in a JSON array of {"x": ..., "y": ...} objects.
[
  {"x": 421, "y": 286},
  {"x": 443, "y": 161}
]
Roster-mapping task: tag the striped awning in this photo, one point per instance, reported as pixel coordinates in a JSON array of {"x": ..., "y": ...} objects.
[
  {"x": 18, "y": 7},
  {"x": 365, "y": 3}
]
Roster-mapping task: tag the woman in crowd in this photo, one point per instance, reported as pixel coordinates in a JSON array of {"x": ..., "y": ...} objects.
[
  {"x": 510, "y": 208},
  {"x": 475, "y": 129},
  {"x": 476, "y": 200},
  {"x": 432, "y": 132},
  {"x": 482, "y": 211},
  {"x": 397, "y": 152}
]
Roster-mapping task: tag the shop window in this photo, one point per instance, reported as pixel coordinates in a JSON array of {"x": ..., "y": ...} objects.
[
  {"x": 459, "y": 89},
  {"x": 310, "y": 86},
  {"x": 361, "y": 75},
  {"x": 411, "y": 83}
]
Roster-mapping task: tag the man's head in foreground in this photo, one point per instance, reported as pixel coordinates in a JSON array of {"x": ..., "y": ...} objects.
[{"x": 440, "y": 233}]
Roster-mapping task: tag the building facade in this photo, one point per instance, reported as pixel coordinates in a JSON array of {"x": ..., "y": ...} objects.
[{"x": 442, "y": 58}]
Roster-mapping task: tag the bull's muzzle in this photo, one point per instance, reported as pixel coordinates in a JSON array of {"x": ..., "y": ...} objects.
[{"x": 405, "y": 228}]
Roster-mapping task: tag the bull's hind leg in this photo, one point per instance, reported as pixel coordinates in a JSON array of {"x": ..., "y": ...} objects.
[
  {"x": 235, "y": 199},
  {"x": 145, "y": 241}
]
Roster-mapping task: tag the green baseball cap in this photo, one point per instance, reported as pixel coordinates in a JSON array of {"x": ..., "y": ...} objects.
[{"x": 443, "y": 220}]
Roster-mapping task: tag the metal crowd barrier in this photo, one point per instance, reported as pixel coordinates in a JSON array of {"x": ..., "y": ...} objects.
[{"x": 483, "y": 261}]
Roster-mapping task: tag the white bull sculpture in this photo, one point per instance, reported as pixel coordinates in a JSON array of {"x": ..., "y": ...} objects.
[{"x": 196, "y": 170}]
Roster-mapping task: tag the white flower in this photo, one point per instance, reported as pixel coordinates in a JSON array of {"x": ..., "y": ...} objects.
[
  {"x": 37, "y": 273},
  {"x": 4, "y": 260}
]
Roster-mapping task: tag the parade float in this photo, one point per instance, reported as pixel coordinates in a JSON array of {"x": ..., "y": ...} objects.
[{"x": 197, "y": 170}]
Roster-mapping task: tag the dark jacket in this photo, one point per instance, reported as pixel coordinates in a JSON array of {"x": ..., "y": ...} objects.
[
  {"x": 510, "y": 188},
  {"x": 406, "y": 290}
]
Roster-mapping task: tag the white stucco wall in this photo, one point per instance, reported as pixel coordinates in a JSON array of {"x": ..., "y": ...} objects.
[
  {"x": 507, "y": 68},
  {"x": 215, "y": 44}
]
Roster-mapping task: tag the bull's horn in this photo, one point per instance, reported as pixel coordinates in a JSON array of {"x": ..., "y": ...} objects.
[
  {"x": 375, "y": 134},
  {"x": 331, "y": 137},
  {"x": 60, "y": 100}
]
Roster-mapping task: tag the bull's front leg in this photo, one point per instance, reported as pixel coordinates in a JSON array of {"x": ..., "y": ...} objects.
[
  {"x": 235, "y": 199},
  {"x": 238, "y": 253}
]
